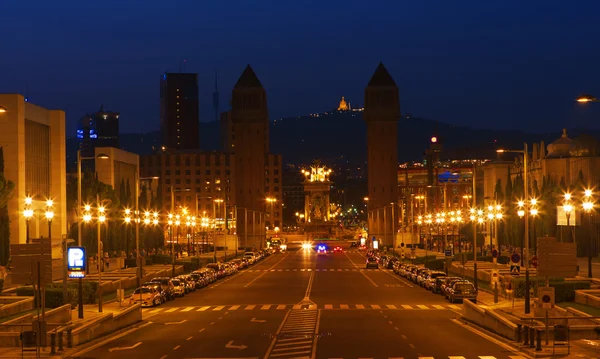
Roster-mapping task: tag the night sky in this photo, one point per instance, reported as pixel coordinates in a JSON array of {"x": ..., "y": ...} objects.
[{"x": 496, "y": 64}]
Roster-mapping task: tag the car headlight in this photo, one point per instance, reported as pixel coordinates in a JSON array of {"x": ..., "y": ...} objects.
[{"x": 306, "y": 246}]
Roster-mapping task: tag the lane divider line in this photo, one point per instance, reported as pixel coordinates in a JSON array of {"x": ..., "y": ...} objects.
[
  {"x": 361, "y": 272},
  {"x": 265, "y": 272}
]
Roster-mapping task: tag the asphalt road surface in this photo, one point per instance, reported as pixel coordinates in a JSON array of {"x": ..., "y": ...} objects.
[{"x": 303, "y": 305}]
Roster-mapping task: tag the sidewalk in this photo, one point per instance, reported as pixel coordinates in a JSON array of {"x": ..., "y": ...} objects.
[{"x": 90, "y": 312}]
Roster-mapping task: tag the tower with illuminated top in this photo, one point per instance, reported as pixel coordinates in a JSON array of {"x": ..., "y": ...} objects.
[
  {"x": 382, "y": 111},
  {"x": 250, "y": 121},
  {"x": 317, "y": 214},
  {"x": 343, "y": 105}
]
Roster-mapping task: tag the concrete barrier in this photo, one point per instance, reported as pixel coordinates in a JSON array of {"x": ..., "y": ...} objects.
[
  {"x": 13, "y": 305},
  {"x": 589, "y": 297},
  {"x": 106, "y": 324},
  {"x": 489, "y": 320}
]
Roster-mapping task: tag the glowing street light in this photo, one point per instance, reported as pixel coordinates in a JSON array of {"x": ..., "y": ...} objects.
[{"x": 586, "y": 99}]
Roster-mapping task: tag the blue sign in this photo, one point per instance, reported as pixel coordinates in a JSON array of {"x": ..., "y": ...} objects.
[
  {"x": 448, "y": 252},
  {"x": 76, "y": 262},
  {"x": 515, "y": 258}
]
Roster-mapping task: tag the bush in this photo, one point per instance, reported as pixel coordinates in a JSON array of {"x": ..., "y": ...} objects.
[
  {"x": 54, "y": 294},
  {"x": 564, "y": 291},
  {"x": 161, "y": 259},
  {"x": 421, "y": 260},
  {"x": 436, "y": 264}
]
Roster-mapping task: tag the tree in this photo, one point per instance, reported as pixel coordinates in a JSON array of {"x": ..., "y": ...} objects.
[{"x": 6, "y": 192}]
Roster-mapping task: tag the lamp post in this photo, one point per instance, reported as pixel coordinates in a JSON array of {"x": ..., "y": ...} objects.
[
  {"x": 588, "y": 206},
  {"x": 27, "y": 213},
  {"x": 568, "y": 208},
  {"x": 79, "y": 236},
  {"x": 526, "y": 215},
  {"x": 101, "y": 220},
  {"x": 475, "y": 216},
  {"x": 127, "y": 222},
  {"x": 49, "y": 216}
]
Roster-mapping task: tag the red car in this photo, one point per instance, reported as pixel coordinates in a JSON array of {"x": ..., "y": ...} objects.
[{"x": 338, "y": 250}]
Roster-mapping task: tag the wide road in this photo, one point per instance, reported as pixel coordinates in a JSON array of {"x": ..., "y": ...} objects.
[{"x": 303, "y": 305}]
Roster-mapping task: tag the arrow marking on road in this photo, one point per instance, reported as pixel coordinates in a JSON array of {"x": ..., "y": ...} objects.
[
  {"x": 171, "y": 323},
  {"x": 231, "y": 346},
  {"x": 254, "y": 320},
  {"x": 125, "y": 348}
]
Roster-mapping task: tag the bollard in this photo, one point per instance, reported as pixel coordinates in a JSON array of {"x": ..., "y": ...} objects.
[
  {"x": 69, "y": 339},
  {"x": 52, "y": 343},
  {"x": 60, "y": 341},
  {"x": 525, "y": 335},
  {"x": 532, "y": 337},
  {"x": 519, "y": 328},
  {"x": 538, "y": 342}
]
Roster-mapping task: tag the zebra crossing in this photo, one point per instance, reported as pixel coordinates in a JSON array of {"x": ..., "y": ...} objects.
[
  {"x": 296, "y": 338},
  {"x": 244, "y": 307},
  {"x": 452, "y": 357},
  {"x": 312, "y": 270}
]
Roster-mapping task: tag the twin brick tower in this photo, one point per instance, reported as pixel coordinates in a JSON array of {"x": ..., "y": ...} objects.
[
  {"x": 382, "y": 112},
  {"x": 249, "y": 116}
]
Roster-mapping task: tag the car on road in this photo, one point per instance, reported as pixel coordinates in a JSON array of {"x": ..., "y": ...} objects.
[
  {"x": 372, "y": 263},
  {"x": 338, "y": 249},
  {"x": 321, "y": 250}
]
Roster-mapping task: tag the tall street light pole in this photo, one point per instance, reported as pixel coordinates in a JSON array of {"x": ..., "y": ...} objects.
[
  {"x": 526, "y": 215},
  {"x": 79, "y": 219}
]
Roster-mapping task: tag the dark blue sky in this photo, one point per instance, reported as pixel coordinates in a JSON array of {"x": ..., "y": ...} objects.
[{"x": 497, "y": 64}]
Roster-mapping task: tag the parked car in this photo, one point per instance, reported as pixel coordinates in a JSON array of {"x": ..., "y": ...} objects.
[
  {"x": 167, "y": 286},
  {"x": 461, "y": 290},
  {"x": 146, "y": 296},
  {"x": 179, "y": 287}
]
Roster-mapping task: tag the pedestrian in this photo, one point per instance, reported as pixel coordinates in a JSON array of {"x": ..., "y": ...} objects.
[{"x": 509, "y": 291}]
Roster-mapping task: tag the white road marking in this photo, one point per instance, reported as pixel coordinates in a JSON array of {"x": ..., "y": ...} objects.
[
  {"x": 437, "y": 306},
  {"x": 265, "y": 307},
  {"x": 125, "y": 348},
  {"x": 218, "y": 308},
  {"x": 462, "y": 357},
  {"x": 188, "y": 309},
  {"x": 297, "y": 306},
  {"x": 411, "y": 345},
  {"x": 163, "y": 357},
  {"x": 454, "y": 306},
  {"x": 189, "y": 338},
  {"x": 281, "y": 307},
  {"x": 157, "y": 310},
  {"x": 234, "y": 307},
  {"x": 391, "y": 306},
  {"x": 406, "y": 306},
  {"x": 375, "y": 306},
  {"x": 177, "y": 347},
  {"x": 201, "y": 330},
  {"x": 344, "y": 306},
  {"x": 328, "y": 306},
  {"x": 360, "y": 306},
  {"x": 171, "y": 310},
  {"x": 249, "y": 307},
  {"x": 422, "y": 306},
  {"x": 201, "y": 309}
]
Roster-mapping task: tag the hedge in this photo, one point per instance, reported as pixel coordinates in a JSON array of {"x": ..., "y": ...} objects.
[
  {"x": 564, "y": 291},
  {"x": 54, "y": 294},
  {"x": 161, "y": 259},
  {"x": 436, "y": 264}
]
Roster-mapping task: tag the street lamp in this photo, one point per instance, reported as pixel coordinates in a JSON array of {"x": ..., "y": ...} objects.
[
  {"x": 568, "y": 208},
  {"x": 588, "y": 206},
  {"x": 49, "y": 216},
  {"x": 27, "y": 213},
  {"x": 526, "y": 215},
  {"x": 101, "y": 220},
  {"x": 2, "y": 109}
]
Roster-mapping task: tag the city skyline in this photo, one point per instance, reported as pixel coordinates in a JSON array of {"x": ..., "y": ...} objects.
[{"x": 508, "y": 70}]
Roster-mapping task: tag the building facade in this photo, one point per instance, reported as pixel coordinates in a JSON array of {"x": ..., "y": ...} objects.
[
  {"x": 34, "y": 146},
  {"x": 179, "y": 111},
  {"x": 382, "y": 111}
]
